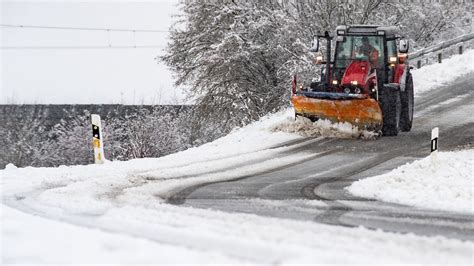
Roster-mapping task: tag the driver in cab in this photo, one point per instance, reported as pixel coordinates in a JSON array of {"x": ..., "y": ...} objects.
[{"x": 368, "y": 51}]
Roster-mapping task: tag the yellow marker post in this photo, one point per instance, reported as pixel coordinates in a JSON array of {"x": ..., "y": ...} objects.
[{"x": 97, "y": 142}]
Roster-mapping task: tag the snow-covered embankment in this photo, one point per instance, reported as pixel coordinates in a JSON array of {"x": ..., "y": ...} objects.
[
  {"x": 443, "y": 182},
  {"x": 436, "y": 75}
]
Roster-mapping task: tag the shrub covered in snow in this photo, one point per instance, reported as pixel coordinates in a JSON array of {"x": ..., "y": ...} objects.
[{"x": 148, "y": 133}]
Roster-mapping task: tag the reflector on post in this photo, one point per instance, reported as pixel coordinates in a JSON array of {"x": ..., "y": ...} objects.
[
  {"x": 434, "y": 149},
  {"x": 434, "y": 139},
  {"x": 97, "y": 142}
]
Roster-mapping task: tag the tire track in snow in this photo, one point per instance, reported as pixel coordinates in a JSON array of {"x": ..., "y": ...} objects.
[
  {"x": 141, "y": 178},
  {"x": 180, "y": 196}
]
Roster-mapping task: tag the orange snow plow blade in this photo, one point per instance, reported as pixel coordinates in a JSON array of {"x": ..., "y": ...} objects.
[{"x": 361, "y": 111}]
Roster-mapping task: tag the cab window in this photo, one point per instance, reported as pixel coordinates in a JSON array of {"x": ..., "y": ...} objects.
[
  {"x": 391, "y": 48},
  {"x": 359, "y": 48}
]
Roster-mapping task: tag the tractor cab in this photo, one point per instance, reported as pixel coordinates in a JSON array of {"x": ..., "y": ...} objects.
[{"x": 373, "y": 44}]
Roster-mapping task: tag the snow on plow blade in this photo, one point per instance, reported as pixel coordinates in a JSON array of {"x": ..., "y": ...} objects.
[{"x": 357, "y": 109}]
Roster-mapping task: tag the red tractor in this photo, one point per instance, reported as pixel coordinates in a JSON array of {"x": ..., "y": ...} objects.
[{"x": 367, "y": 83}]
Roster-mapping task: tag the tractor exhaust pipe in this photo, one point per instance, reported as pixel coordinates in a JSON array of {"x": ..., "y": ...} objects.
[{"x": 328, "y": 60}]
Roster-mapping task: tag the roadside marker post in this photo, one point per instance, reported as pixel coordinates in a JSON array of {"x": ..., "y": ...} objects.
[
  {"x": 434, "y": 139},
  {"x": 434, "y": 147},
  {"x": 97, "y": 142}
]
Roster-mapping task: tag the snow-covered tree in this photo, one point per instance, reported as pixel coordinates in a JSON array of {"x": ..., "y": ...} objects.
[
  {"x": 236, "y": 57},
  {"x": 426, "y": 23}
]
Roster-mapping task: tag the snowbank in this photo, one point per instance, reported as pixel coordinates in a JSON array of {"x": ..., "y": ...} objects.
[
  {"x": 436, "y": 75},
  {"x": 442, "y": 183}
]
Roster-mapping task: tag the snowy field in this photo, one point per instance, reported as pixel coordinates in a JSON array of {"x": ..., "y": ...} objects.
[
  {"x": 443, "y": 181},
  {"x": 117, "y": 212}
]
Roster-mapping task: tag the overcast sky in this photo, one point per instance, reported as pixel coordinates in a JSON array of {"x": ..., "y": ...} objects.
[{"x": 68, "y": 76}]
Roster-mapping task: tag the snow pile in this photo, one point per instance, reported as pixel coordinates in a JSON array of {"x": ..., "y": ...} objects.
[
  {"x": 444, "y": 182},
  {"x": 323, "y": 128},
  {"x": 436, "y": 75}
]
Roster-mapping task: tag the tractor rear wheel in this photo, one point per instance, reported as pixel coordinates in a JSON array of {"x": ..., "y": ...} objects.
[
  {"x": 407, "y": 97},
  {"x": 390, "y": 104}
]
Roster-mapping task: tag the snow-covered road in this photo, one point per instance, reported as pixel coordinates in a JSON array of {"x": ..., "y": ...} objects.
[
  {"x": 344, "y": 161},
  {"x": 259, "y": 195}
]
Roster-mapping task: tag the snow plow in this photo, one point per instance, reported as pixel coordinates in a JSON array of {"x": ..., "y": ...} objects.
[{"x": 366, "y": 83}]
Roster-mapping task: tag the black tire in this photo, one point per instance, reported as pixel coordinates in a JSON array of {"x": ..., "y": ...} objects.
[
  {"x": 407, "y": 97},
  {"x": 390, "y": 104}
]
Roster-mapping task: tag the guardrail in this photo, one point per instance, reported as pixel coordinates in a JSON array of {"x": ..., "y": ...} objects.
[{"x": 442, "y": 50}]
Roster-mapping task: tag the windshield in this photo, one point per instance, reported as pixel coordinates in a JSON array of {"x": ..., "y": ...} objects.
[{"x": 350, "y": 48}]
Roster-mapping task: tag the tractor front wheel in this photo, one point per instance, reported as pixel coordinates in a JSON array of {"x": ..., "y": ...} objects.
[
  {"x": 390, "y": 104},
  {"x": 407, "y": 97}
]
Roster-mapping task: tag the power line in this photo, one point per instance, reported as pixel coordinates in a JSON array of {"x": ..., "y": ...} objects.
[
  {"x": 80, "y": 28},
  {"x": 80, "y": 47},
  {"x": 106, "y": 30}
]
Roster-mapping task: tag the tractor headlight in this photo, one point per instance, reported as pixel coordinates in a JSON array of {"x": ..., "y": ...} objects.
[
  {"x": 381, "y": 32},
  {"x": 392, "y": 59},
  {"x": 334, "y": 82},
  {"x": 354, "y": 82},
  {"x": 341, "y": 32}
]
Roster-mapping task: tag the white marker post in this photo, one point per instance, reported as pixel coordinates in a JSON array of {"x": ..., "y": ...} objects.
[
  {"x": 97, "y": 142},
  {"x": 434, "y": 139},
  {"x": 434, "y": 147}
]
